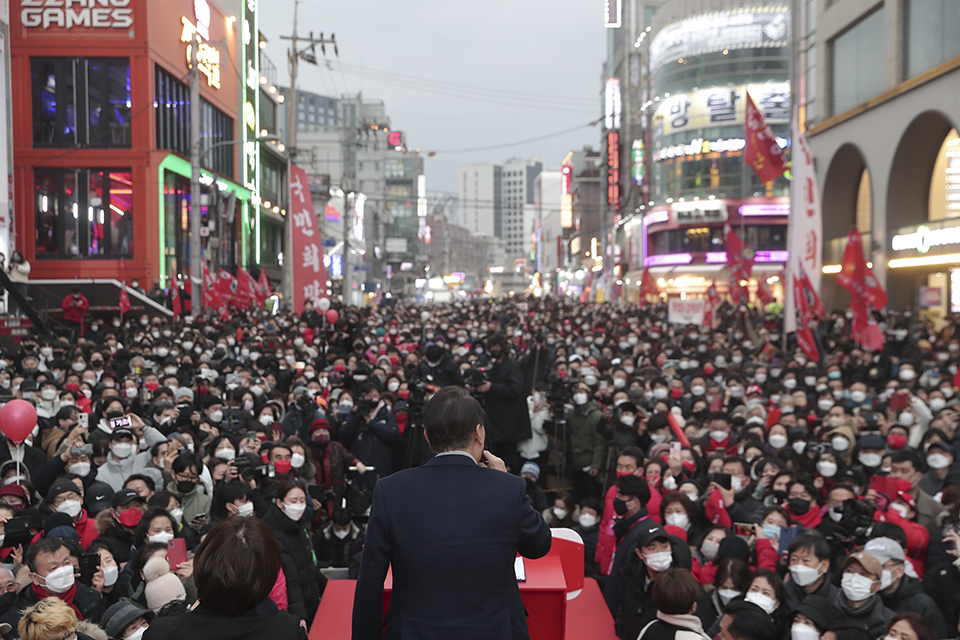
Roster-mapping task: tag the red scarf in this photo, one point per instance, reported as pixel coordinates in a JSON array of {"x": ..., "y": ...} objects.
[
  {"x": 67, "y": 596},
  {"x": 809, "y": 520}
]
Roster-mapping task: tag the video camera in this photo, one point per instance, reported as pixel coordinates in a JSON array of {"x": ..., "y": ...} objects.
[
  {"x": 475, "y": 377},
  {"x": 365, "y": 406},
  {"x": 855, "y": 523},
  {"x": 249, "y": 471}
]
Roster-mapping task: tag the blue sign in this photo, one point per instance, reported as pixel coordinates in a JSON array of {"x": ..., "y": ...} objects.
[
  {"x": 361, "y": 267},
  {"x": 336, "y": 265},
  {"x": 329, "y": 242}
]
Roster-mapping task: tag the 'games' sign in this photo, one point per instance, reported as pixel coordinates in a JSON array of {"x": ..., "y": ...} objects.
[{"x": 67, "y": 14}]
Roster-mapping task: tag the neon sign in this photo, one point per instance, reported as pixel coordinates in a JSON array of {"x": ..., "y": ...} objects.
[{"x": 208, "y": 57}]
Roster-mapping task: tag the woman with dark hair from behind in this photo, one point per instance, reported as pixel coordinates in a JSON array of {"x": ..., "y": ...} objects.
[
  {"x": 235, "y": 567},
  {"x": 675, "y": 593}
]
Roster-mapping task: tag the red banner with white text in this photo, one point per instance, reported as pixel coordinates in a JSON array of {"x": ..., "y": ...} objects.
[{"x": 309, "y": 272}]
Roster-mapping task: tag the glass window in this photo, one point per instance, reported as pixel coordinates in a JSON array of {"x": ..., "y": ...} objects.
[
  {"x": 83, "y": 102},
  {"x": 54, "y": 111},
  {"x": 83, "y": 213},
  {"x": 932, "y": 29},
  {"x": 857, "y": 62}
]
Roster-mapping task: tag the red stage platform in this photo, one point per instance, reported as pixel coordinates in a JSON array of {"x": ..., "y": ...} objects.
[{"x": 586, "y": 618}]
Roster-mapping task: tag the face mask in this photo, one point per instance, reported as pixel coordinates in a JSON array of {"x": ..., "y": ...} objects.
[
  {"x": 70, "y": 507},
  {"x": 245, "y": 510},
  {"x": 803, "y": 632},
  {"x": 679, "y": 520},
  {"x": 698, "y": 390},
  {"x": 766, "y": 603},
  {"x": 798, "y": 506},
  {"x": 185, "y": 486},
  {"x": 778, "y": 441},
  {"x": 906, "y": 375},
  {"x": 709, "y": 550},
  {"x": 59, "y": 580},
  {"x": 856, "y": 587},
  {"x": 658, "y": 437},
  {"x": 660, "y": 393},
  {"x": 827, "y": 469},
  {"x": 905, "y": 419},
  {"x": 726, "y": 595},
  {"x": 163, "y": 537},
  {"x": 560, "y": 513},
  {"x": 48, "y": 394},
  {"x": 110, "y": 575},
  {"x": 858, "y": 396},
  {"x": 122, "y": 450},
  {"x": 825, "y": 404},
  {"x": 297, "y": 460},
  {"x": 790, "y": 383},
  {"x": 771, "y": 530},
  {"x": 78, "y": 366},
  {"x": 341, "y": 534},
  {"x": 886, "y": 579},
  {"x": 760, "y": 378},
  {"x": 736, "y": 392},
  {"x": 840, "y": 444},
  {"x": 620, "y": 506},
  {"x": 587, "y": 520},
  {"x": 580, "y": 398},
  {"x": 718, "y": 436},
  {"x": 736, "y": 483},
  {"x": 266, "y": 420},
  {"x": 294, "y": 511},
  {"x": 79, "y": 468},
  {"x": 659, "y": 561},
  {"x": 804, "y": 575},
  {"x": 226, "y": 454},
  {"x": 693, "y": 496},
  {"x": 871, "y": 460},
  {"x": 177, "y": 514},
  {"x": 216, "y": 416}
]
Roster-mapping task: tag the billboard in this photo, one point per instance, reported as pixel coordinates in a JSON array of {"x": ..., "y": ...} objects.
[
  {"x": 612, "y": 14},
  {"x": 747, "y": 28},
  {"x": 613, "y": 170},
  {"x": 721, "y": 106},
  {"x": 611, "y": 104}
]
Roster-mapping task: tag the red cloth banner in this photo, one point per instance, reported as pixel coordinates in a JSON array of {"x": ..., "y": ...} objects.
[
  {"x": 248, "y": 289},
  {"x": 739, "y": 263},
  {"x": 309, "y": 272},
  {"x": 804, "y": 336},
  {"x": 211, "y": 294},
  {"x": 762, "y": 151},
  {"x": 229, "y": 290},
  {"x": 124, "y": 297},
  {"x": 175, "y": 298},
  {"x": 264, "y": 284},
  {"x": 763, "y": 292}
]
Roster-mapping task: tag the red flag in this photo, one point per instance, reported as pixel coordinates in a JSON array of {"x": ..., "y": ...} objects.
[
  {"x": 762, "y": 151},
  {"x": 229, "y": 290},
  {"x": 763, "y": 292},
  {"x": 854, "y": 275},
  {"x": 710, "y": 308},
  {"x": 648, "y": 286},
  {"x": 804, "y": 336},
  {"x": 247, "y": 288},
  {"x": 186, "y": 297},
  {"x": 309, "y": 271},
  {"x": 211, "y": 295},
  {"x": 124, "y": 298},
  {"x": 175, "y": 298},
  {"x": 739, "y": 263},
  {"x": 813, "y": 300},
  {"x": 264, "y": 285}
]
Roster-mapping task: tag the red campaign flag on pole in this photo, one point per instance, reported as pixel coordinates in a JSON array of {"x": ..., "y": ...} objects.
[
  {"x": 813, "y": 300},
  {"x": 763, "y": 292},
  {"x": 230, "y": 290},
  {"x": 247, "y": 288},
  {"x": 124, "y": 297},
  {"x": 175, "y": 299},
  {"x": 309, "y": 271},
  {"x": 648, "y": 286},
  {"x": 710, "y": 308},
  {"x": 211, "y": 295},
  {"x": 186, "y": 299},
  {"x": 762, "y": 152},
  {"x": 739, "y": 263},
  {"x": 856, "y": 277},
  {"x": 264, "y": 285},
  {"x": 804, "y": 336}
]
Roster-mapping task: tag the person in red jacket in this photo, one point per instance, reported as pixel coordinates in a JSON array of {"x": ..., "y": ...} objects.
[{"x": 74, "y": 306}]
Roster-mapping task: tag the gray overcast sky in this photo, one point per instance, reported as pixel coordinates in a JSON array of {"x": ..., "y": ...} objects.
[{"x": 537, "y": 62}]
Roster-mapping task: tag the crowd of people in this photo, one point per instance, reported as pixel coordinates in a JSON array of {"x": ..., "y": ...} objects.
[{"x": 717, "y": 475}]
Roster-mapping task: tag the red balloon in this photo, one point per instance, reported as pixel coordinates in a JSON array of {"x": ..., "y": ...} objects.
[
  {"x": 17, "y": 420},
  {"x": 332, "y": 315}
]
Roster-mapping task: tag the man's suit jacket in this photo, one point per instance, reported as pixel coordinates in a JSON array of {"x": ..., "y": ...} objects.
[{"x": 451, "y": 530}]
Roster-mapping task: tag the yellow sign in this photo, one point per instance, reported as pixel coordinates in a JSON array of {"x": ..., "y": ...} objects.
[{"x": 208, "y": 57}]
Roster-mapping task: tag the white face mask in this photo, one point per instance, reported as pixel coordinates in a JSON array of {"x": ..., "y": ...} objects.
[
  {"x": 341, "y": 534},
  {"x": 799, "y": 446},
  {"x": 627, "y": 420},
  {"x": 245, "y": 510},
  {"x": 163, "y": 537},
  {"x": 225, "y": 454},
  {"x": 938, "y": 461},
  {"x": 736, "y": 483},
  {"x": 560, "y": 513},
  {"x": 886, "y": 579},
  {"x": 297, "y": 460},
  {"x": 59, "y": 580},
  {"x": 122, "y": 450},
  {"x": 778, "y": 441},
  {"x": 856, "y": 587},
  {"x": 840, "y": 444},
  {"x": 804, "y": 575},
  {"x": 766, "y": 603},
  {"x": 679, "y": 520},
  {"x": 177, "y": 514},
  {"x": 79, "y": 468},
  {"x": 659, "y": 561},
  {"x": 294, "y": 511},
  {"x": 835, "y": 514},
  {"x": 110, "y": 575},
  {"x": 827, "y": 469},
  {"x": 718, "y": 436},
  {"x": 803, "y": 632},
  {"x": 726, "y": 595},
  {"x": 587, "y": 520},
  {"x": 580, "y": 399},
  {"x": 871, "y": 460},
  {"x": 905, "y": 419},
  {"x": 70, "y": 507},
  {"x": 709, "y": 550}
]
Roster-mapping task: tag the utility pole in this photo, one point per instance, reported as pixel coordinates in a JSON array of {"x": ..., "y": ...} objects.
[
  {"x": 308, "y": 54},
  {"x": 196, "y": 254}
]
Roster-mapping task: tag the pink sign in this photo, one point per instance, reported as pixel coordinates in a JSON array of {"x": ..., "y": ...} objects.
[{"x": 309, "y": 273}]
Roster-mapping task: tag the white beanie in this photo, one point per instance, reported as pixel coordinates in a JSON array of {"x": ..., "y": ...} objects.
[{"x": 162, "y": 587}]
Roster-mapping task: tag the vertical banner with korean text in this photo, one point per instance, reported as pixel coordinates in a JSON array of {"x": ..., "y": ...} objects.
[
  {"x": 309, "y": 272},
  {"x": 806, "y": 226}
]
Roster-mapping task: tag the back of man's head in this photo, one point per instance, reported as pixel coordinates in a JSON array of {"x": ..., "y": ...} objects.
[
  {"x": 675, "y": 591},
  {"x": 634, "y": 486},
  {"x": 451, "y": 418}
]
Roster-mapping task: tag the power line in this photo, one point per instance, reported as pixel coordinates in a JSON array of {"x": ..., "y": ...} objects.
[{"x": 520, "y": 142}]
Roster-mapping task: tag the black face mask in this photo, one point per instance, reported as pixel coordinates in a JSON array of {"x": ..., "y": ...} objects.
[
  {"x": 496, "y": 353},
  {"x": 185, "y": 486},
  {"x": 7, "y": 600},
  {"x": 114, "y": 414},
  {"x": 620, "y": 506},
  {"x": 798, "y": 506}
]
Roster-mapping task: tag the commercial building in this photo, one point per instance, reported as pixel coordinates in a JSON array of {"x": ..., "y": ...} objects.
[
  {"x": 102, "y": 153},
  {"x": 701, "y": 59},
  {"x": 883, "y": 104}
]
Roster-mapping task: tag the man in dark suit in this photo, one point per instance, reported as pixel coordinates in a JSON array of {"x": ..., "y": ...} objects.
[{"x": 451, "y": 529}]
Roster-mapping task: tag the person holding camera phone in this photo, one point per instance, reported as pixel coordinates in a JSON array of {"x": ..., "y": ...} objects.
[{"x": 369, "y": 432}]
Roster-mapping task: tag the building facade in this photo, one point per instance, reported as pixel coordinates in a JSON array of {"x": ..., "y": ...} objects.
[
  {"x": 884, "y": 104},
  {"x": 702, "y": 59},
  {"x": 103, "y": 154}
]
